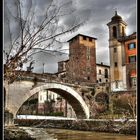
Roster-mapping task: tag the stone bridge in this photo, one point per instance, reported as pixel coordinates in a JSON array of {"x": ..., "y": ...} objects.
[{"x": 22, "y": 89}]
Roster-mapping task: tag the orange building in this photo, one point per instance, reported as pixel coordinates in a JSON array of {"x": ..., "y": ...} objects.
[
  {"x": 130, "y": 51},
  {"x": 130, "y": 45}
]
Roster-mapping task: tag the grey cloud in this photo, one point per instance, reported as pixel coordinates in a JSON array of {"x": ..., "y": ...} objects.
[
  {"x": 102, "y": 55},
  {"x": 49, "y": 59},
  {"x": 98, "y": 13}
]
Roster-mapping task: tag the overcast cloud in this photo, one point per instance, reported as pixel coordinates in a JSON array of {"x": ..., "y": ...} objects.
[{"x": 98, "y": 13}]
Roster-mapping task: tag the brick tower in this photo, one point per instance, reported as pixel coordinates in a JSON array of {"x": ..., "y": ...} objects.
[{"x": 82, "y": 59}]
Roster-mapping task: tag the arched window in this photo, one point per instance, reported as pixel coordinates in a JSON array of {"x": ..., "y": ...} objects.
[
  {"x": 123, "y": 33},
  {"x": 106, "y": 73},
  {"x": 114, "y": 31}
]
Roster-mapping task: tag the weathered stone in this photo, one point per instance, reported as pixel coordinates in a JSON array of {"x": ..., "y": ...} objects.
[
  {"x": 109, "y": 126},
  {"x": 24, "y": 91},
  {"x": 15, "y": 133}
]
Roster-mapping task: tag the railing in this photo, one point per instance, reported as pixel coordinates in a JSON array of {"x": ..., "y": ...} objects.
[
  {"x": 43, "y": 117},
  {"x": 45, "y": 80}
]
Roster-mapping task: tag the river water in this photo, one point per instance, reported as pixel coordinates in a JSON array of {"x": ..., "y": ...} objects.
[{"x": 62, "y": 134}]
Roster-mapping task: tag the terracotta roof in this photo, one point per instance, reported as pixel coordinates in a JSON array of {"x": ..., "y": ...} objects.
[
  {"x": 82, "y": 35},
  {"x": 103, "y": 65},
  {"x": 129, "y": 37},
  {"x": 64, "y": 61}
]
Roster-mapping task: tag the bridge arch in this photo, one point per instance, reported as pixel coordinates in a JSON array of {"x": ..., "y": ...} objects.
[
  {"x": 72, "y": 97},
  {"x": 102, "y": 97}
]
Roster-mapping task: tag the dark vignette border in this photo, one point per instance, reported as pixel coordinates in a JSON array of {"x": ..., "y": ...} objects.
[
  {"x": 1, "y": 68},
  {"x": 138, "y": 72}
]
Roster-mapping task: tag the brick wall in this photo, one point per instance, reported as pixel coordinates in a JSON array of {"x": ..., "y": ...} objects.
[{"x": 82, "y": 61}]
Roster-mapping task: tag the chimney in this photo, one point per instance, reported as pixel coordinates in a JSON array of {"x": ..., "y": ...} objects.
[{"x": 101, "y": 63}]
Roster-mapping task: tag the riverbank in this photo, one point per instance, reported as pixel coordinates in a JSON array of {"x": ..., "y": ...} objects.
[
  {"x": 109, "y": 126},
  {"x": 16, "y": 133},
  {"x": 65, "y": 134}
]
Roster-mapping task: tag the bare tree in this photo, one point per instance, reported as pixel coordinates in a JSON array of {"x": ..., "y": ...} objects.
[
  {"x": 30, "y": 27},
  {"x": 132, "y": 104}
]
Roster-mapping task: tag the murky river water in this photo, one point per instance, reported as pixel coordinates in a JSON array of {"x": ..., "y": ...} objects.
[{"x": 61, "y": 134}]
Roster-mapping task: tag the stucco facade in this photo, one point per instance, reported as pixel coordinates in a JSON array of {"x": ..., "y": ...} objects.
[
  {"x": 103, "y": 73},
  {"x": 116, "y": 30}
]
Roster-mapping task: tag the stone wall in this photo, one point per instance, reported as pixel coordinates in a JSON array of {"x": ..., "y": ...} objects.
[
  {"x": 8, "y": 118},
  {"x": 118, "y": 126}
]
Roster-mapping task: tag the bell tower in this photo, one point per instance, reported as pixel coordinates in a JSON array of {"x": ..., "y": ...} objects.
[
  {"x": 116, "y": 31},
  {"x": 116, "y": 27}
]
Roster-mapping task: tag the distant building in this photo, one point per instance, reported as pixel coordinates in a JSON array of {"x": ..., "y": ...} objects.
[
  {"x": 62, "y": 70},
  {"x": 43, "y": 97},
  {"x": 103, "y": 73},
  {"x": 61, "y": 105},
  {"x": 62, "y": 65},
  {"x": 50, "y": 102}
]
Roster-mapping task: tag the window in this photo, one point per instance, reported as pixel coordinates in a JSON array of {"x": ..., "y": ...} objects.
[
  {"x": 116, "y": 84},
  {"x": 106, "y": 81},
  {"x": 133, "y": 81},
  {"x": 88, "y": 57},
  {"x": 132, "y": 59},
  {"x": 90, "y": 39},
  {"x": 116, "y": 64},
  {"x": 115, "y": 50},
  {"x": 99, "y": 71},
  {"x": 97, "y": 81},
  {"x": 88, "y": 53},
  {"x": 88, "y": 78},
  {"x": 123, "y": 33},
  {"x": 131, "y": 46},
  {"x": 88, "y": 69},
  {"x": 106, "y": 73},
  {"x": 100, "y": 80},
  {"x": 84, "y": 38},
  {"x": 114, "y": 31}
]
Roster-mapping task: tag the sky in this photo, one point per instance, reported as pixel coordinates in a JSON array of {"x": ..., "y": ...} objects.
[{"x": 97, "y": 14}]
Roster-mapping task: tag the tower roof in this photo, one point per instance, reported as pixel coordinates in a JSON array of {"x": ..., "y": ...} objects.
[
  {"x": 82, "y": 35},
  {"x": 116, "y": 17}
]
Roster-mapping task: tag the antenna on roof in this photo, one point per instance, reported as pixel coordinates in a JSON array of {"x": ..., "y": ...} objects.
[{"x": 116, "y": 12}]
